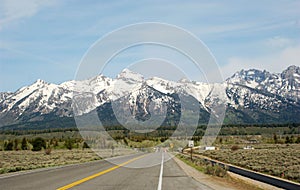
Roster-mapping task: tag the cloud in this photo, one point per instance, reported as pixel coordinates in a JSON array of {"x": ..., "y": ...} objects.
[
  {"x": 273, "y": 62},
  {"x": 14, "y": 10},
  {"x": 279, "y": 42}
]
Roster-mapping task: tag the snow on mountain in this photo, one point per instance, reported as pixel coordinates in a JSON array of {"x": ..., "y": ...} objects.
[
  {"x": 39, "y": 97},
  {"x": 251, "y": 78},
  {"x": 290, "y": 82},
  {"x": 245, "y": 90},
  {"x": 93, "y": 85},
  {"x": 162, "y": 85},
  {"x": 130, "y": 76},
  {"x": 285, "y": 84},
  {"x": 4, "y": 95},
  {"x": 198, "y": 90}
]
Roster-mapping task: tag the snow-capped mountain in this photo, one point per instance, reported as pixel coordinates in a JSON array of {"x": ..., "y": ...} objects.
[
  {"x": 251, "y": 96},
  {"x": 4, "y": 95},
  {"x": 285, "y": 84}
]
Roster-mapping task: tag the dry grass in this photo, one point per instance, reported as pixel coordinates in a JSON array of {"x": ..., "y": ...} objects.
[
  {"x": 12, "y": 161},
  {"x": 277, "y": 160},
  {"x": 225, "y": 181}
]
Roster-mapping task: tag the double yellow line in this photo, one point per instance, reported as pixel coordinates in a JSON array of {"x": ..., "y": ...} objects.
[{"x": 98, "y": 174}]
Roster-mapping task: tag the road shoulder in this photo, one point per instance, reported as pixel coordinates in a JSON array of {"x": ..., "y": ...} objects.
[{"x": 234, "y": 182}]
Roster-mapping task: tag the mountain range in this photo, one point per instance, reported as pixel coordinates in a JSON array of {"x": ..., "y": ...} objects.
[{"x": 251, "y": 97}]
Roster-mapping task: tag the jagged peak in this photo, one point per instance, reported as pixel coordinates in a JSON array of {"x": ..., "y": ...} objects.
[
  {"x": 292, "y": 69},
  {"x": 40, "y": 81},
  {"x": 291, "y": 73},
  {"x": 128, "y": 74},
  {"x": 40, "y": 84},
  {"x": 248, "y": 75},
  {"x": 99, "y": 78},
  {"x": 184, "y": 80},
  {"x": 248, "y": 72}
]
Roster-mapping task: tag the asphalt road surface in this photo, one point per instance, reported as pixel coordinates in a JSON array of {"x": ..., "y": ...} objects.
[{"x": 140, "y": 171}]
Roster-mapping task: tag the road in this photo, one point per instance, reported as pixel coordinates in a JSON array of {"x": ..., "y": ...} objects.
[{"x": 140, "y": 171}]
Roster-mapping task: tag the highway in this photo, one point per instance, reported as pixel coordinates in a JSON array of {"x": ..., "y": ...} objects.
[{"x": 140, "y": 171}]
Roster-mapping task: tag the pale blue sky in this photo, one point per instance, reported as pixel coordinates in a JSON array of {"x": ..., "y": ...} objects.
[{"x": 46, "y": 39}]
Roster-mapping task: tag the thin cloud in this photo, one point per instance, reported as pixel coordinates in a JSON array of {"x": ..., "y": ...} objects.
[
  {"x": 279, "y": 41},
  {"x": 14, "y": 10},
  {"x": 273, "y": 62},
  {"x": 240, "y": 34}
]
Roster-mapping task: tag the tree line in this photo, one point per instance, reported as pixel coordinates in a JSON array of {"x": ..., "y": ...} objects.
[{"x": 39, "y": 143}]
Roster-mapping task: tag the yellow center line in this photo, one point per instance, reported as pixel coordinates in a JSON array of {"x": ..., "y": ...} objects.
[{"x": 97, "y": 174}]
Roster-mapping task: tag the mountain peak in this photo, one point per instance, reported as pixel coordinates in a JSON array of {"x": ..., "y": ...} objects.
[
  {"x": 292, "y": 73},
  {"x": 40, "y": 81},
  {"x": 184, "y": 80},
  {"x": 248, "y": 76},
  {"x": 131, "y": 75},
  {"x": 254, "y": 95},
  {"x": 292, "y": 69}
]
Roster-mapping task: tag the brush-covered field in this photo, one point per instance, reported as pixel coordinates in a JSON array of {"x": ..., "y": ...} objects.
[
  {"x": 282, "y": 160},
  {"x": 11, "y": 161}
]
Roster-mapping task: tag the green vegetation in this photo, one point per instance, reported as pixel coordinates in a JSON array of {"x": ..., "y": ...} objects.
[
  {"x": 216, "y": 170},
  {"x": 38, "y": 143},
  {"x": 166, "y": 131},
  {"x": 69, "y": 143},
  {"x": 24, "y": 144},
  {"x": 263, "y": 129},
  {"x": 202, "y": 166},
  {"x": 269, "y": 141},
  {"x": 193, "y": 163},
  {"x": 8, "y": 145}
]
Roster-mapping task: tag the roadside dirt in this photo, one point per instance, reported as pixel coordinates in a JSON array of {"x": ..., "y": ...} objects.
[{"x": 231, "y": 182}]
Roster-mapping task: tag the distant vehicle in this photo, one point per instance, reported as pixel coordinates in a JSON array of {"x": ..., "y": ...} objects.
[
  {"x": 209, "y": 148},
  {"x": 248, "y": 148}
]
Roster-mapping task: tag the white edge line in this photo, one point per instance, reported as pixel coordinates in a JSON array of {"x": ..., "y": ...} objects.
[{"x": 161, "y": 172}]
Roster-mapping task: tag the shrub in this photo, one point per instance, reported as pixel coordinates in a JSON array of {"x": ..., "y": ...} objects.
[
  {"x": 69, "y": 144},
  {"x": 235, "y": 147},
  {"x": 8, "y": 145},
  {"x": 215, "y": 170},
  {"x": 16, "y": 142},
  {"x": 85, "y": 145},
  {"x": 209, "y": 170},
  {"x": 24, "y": 144},
  {"x": 48, "y": 151},
  {"x": 54, "y": 142},
  {"x": 38, "y": 143},
  {"x": 259, "y": 159},
  {"x": 220, "y": 171}
]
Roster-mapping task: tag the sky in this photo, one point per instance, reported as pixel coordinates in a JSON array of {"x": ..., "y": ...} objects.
[{"x": 47, "y": 39}]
